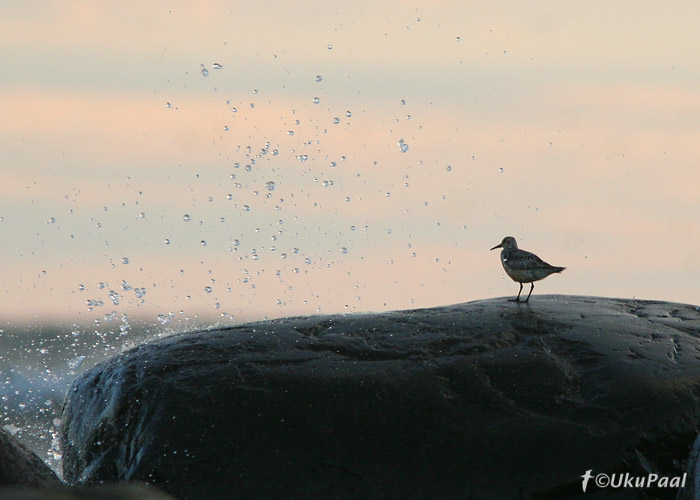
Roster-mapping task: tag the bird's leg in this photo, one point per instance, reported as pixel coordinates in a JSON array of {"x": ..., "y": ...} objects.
[
  {"x": 532, "y": 287},
  {"x": 517, "y": 299}
]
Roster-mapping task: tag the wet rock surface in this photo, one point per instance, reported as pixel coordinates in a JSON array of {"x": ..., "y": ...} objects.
[
  {"x": 110, "y": 492},
  {"x": 19, "y": 466},
  {"x": 692, "y": 489},
  {"x": 488, "y": 399}
]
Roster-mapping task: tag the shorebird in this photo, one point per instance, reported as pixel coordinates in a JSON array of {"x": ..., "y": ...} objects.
[{"x": 522, "y": 266}]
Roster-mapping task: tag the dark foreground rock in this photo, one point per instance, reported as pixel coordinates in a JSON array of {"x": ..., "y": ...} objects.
[
  {"x": 20, "y": 466},
  {"x": 484, "y": 400},
  {"x": 692, "y": 490},
  {"x": 112, "y": 492}
]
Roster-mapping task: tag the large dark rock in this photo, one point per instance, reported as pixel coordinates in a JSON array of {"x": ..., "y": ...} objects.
[
  {"x": 692, "y": 489},
  {"x": 19, "y": 466},
  {"x": 110, "y": 492},
  {"x": 489, "y": 399}
]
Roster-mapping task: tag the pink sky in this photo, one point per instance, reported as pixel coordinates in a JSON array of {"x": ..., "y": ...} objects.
[{"x": 110, "y": 134}]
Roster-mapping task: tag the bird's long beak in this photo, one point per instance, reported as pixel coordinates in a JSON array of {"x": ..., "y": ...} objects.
[{"x": 500, "y": 245}]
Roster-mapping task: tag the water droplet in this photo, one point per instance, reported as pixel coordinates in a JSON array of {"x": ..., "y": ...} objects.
[
  {"x": 51, "y": 220},
  {"x": 167, "y": 241},
  {"x": 270, "y": 185},
  {"x": 500, "y": 170},
  {"x": 205, "y": 72},
  {"x": 403, "y": 102},
  {"x": 187, "y": 217},
  {"x": 246, "y": 208},
  {"x": 336, "y": 120},
  {"x": 203, "y": 243},
  {"x": 216, "y": 66},
  {"x": 343, "y": 250},
  {"x": 330, "y": 47},
  {"x": 402, "y": 146},
  {"x": 75, "y": 362},
  {"x": 348, "y": 114},
  {"x": 168, "y": 105},
  {"x": 333, "y": 164},
  {"x": 448, "y": 168},
  {"x": 165, "y": 318},
  {"x": 125, "y": 260},
  {"x": 316, "y": 100},
  {"x": 81, "y": 287},
  {"x": 290, "y": 132},
  {"x": 319, "y": 78},
  {"x": 142, "y": 215},
  {"x": 459, "y": 38},
  {"x": 225, "y": 128},
  {"x": 94, "y": 302},
  {"x": 307, "y": 260},
  {"x": 208, "y": 289}
]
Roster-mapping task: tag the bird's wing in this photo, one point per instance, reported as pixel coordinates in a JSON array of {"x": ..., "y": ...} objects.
[{"x": 524, "y": 260}]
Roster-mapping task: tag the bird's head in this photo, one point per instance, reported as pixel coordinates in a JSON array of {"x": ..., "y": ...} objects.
[{"x": 508, "y": 243}]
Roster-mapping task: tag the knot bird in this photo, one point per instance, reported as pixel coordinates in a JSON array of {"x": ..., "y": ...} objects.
[{"x": 522, "y": 266}]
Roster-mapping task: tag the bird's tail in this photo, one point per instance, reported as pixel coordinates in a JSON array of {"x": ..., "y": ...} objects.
[{"x": 558, "y": 269}]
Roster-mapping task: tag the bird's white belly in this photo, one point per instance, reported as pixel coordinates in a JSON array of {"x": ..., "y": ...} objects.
[{"x": 526, "y": 275}]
